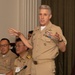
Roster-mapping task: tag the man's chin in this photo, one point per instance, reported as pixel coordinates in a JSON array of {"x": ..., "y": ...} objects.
[
  {"x": 3, "y": 53},
  {"x": 42, "y": 24}
]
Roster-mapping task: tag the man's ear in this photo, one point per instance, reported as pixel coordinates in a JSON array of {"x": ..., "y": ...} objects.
[
  {"x": 50, "y": 17},
  {"x": 10, "y": 46}
]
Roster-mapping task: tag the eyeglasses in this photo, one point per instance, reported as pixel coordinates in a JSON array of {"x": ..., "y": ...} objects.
[
  {"x": 19, "y": 45},
  {"x": 5, "y": 45}
]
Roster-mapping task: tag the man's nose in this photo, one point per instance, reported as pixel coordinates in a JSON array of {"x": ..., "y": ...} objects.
[{"x": 42, "y": 16}]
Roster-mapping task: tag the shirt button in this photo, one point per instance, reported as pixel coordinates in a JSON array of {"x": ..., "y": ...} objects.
[{"x": 44, "y": 44}]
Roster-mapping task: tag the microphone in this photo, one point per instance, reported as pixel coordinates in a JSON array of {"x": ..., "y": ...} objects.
[{"x": 24, "y": 67}]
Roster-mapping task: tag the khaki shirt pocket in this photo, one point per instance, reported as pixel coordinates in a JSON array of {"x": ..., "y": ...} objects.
[{"x": 45, "y": 38}]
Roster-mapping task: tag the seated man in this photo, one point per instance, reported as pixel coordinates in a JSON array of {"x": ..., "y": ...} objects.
[
  {"x": 30, "y": 34},
  {"x": 6, "y": 57},
  {"x": 22, "y": 64}
]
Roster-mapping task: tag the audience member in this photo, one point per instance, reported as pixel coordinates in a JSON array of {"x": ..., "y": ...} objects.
[
  {"x": 7, "y": 57},
  {"x": 30, "y": 34},
  {"x": 22, "y": 64}
]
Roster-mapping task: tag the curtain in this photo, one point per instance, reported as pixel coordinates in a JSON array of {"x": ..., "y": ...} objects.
[
  {"x": 63, "y": 12},
  {"x": 27, "y": 16}
]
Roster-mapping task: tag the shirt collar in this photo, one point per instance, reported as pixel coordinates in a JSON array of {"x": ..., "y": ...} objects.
[{"x": 24, "y": 56}]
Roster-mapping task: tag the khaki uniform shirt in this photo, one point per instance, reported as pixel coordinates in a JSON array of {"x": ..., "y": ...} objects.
[
  {"x": 7, "y": 62},
  {"x": 45, "y": 50},
  {"x": 44, "y": 47},
  {"x": 20, "y": 62}
]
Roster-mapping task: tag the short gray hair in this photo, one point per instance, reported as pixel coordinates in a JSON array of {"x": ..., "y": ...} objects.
[{"x": 45, "y": 7}]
